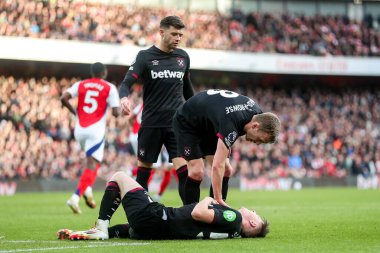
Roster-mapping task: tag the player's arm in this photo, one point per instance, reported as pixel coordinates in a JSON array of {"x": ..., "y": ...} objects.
[
  {"x": 218, "y": 169},
  {"x": 202, "y": 212},
  {"x": 114, "y": 101},
  {"x": 188, "y": 90},
  {"x": 66, "y": 96},
  {"x": 133, "y": 74}
]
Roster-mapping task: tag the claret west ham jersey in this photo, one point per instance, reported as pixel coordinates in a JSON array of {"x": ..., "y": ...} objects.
[
  {"x": 219, "y": 112},
  {"x": 165, "y": 78}
]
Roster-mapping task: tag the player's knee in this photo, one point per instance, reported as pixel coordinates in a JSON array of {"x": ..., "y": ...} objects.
[
  {"x": 197, "y": 175},
  {"x": 119, "y": 176},
  {"x": 196, "y": 171}
]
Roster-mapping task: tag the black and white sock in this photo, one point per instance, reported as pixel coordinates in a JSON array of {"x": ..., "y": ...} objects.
[{"x": 110, "y": 201}]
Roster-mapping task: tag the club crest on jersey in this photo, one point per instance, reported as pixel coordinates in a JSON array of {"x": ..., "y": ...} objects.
[
  {"x": 229, "y": 215},
  {"x": 187, "y": 151},
  {"x": 230, "y": 139},
  {"x": 155, "y": 62},
  {"x": 142, "y": 152},
  {"x": 181, "y": 62}
]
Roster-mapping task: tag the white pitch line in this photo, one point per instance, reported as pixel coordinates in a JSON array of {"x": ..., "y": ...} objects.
[
  {"x": 77, "y": 247},
  {"x": 28, "y": 241}
]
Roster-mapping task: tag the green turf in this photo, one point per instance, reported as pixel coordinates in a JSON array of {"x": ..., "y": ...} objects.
[{"x": 310, "y": 220}]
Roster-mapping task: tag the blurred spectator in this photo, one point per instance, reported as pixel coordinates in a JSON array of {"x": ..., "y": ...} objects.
[
  {"x": 130, "y": 24},
  {"x": 325, "y": 134}
]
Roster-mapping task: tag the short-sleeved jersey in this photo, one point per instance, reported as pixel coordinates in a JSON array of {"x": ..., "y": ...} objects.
[
  {"x": 94, "y": 96},
  {"x": 219, "y": 112},
  {"x": 162, "y": 76},
  {"x": 177, "y": 223},
  {"x": 227, "y": 223}
]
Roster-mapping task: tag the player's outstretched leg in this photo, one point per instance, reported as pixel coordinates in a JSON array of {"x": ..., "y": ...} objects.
[{"x": 119, "y": 184}]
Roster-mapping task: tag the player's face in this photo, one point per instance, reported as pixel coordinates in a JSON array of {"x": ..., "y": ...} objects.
[
  {"x": 253, "y": 222},
  {"x": 171, "y": 37},
  {"x": 257, "y": 136}
]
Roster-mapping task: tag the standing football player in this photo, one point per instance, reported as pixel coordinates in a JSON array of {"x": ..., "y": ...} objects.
[
  {"x": 207, "y": 126},
  {"x": 164, "y": 71},
  {"x": 162, "y": 164},
  {"x": 95, "y": 95}
]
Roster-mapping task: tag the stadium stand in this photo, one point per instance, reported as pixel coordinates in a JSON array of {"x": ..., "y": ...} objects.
[
  {"x": 332, "y": 133},
  {"x": 252, "y": 32},
  {"x": 327, "y": 132}
]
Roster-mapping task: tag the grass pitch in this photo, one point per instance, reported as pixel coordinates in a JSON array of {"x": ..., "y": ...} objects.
[{"x": 310, "y": 220}]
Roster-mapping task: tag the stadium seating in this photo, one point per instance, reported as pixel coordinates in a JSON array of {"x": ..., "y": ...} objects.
[
  {"x": 253, "y": 32},
  {"x": 325, "y": 133}
]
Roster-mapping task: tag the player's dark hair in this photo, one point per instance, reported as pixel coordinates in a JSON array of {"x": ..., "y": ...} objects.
[
  {"x": 98, "y": 69},
  {"x": 174, "y": 21}
]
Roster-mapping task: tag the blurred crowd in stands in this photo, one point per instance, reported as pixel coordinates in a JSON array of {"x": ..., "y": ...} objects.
[
  {"x": 253, "y": 32},
  {"x": 325, "y": 134}
]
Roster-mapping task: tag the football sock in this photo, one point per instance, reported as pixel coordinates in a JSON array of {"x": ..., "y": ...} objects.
[
  {"x": 192, "y": 190},
  {"x": 110, "y": 201},
  {"x": 143, "y": 175},
  {"x": 224, "y": 188},
  {"x": 151, "y": 176},
  {"x": 84, "y": 181},
  {"x": 174, "y": 173},
  {"x": 182, "y": 175},
  {"x": 119, "y": 231},
  {"x": 134, "y": 171},
  {"x": 165, "y": 182},
  {"x": 94, "y": 174}
]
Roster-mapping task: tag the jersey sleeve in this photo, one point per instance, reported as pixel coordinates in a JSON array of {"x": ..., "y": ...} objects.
[
  {"x": 113, "y": 98},
  {"x": 133, "y": 74},
  {"x": 227, "y": 218},
  {"x": 228, "y": 133},
  {"x": 188, "y": 90},
  {"x": 73, "y": 90}
]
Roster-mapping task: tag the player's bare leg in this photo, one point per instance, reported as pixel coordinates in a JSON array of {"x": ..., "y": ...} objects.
[{"x": 84, "y": 187}]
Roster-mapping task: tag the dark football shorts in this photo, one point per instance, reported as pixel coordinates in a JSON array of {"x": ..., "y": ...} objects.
[
  {"x": 144, "y": 216},
  {"x": 150, "y": 141},
  {"x": 192, "y": 143}
]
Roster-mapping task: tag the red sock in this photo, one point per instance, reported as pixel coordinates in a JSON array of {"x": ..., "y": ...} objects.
[
  {"x": 151, "y": 176},
  {"x": 174, "y": 172},
  {"x": 165, "y": 182},
  {"x": 84, "y": 181},
  {"x": 94, "y": 174},
  {"x": 134, "y": 171}
]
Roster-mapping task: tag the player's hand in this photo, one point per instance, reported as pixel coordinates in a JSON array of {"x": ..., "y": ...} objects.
[
  {"x": 221, "y": 202},
  {"x": 125, "y": 106}
]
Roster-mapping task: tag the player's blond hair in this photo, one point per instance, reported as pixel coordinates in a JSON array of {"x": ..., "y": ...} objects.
[{"x": 269, "y": 123}]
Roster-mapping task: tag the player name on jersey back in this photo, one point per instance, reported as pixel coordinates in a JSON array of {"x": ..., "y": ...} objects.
[{"x": 94, "y": 85}]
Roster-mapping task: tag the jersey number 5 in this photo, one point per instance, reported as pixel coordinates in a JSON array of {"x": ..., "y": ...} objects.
[
  {"x": 90, "y": 99},
  {"x": 223, "y": 93}
]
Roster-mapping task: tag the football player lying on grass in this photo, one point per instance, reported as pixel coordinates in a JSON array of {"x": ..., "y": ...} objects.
[{"x": 151, "y": 220}]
